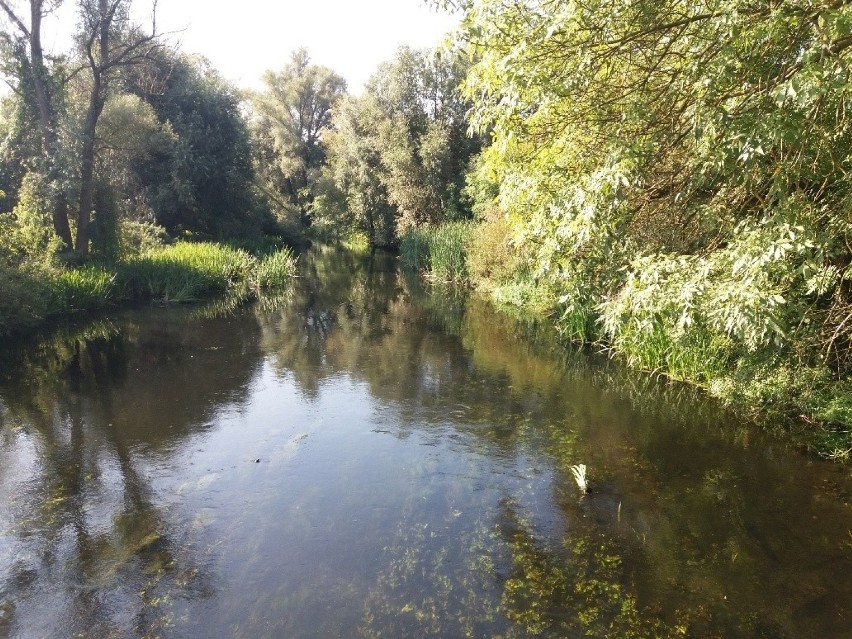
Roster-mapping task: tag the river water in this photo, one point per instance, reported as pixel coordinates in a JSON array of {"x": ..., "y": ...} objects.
[{"x": 362, "y": 457}]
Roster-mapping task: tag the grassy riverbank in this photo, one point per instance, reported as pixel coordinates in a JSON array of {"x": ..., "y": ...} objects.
[
  {"x": 783, "y": 382},
  {"x": 179, "y": 272}
]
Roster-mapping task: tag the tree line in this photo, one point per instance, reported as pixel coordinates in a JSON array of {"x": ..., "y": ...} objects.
[{"x": 125, "y": 130}]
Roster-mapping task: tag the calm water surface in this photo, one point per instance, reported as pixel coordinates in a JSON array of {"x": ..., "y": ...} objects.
[{"x": 363, "y": 458}]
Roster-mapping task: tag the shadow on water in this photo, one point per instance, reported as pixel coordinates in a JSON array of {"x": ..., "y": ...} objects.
[{"x": 363, "y": 456}]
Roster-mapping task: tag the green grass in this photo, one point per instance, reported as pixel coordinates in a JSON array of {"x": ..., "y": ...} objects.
[
  {"x": 182, "y": 272},
  {"x": 697, "y": 357},
  {"x": 275, "y": 270},
  {"x": 439, "y": 251},
  {"x": 185, "y": 271},
  {"x": 191, "y": 271},
  {"x": 80, "y": 289}
]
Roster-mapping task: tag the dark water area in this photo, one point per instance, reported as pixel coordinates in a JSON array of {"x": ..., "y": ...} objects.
[{"x": 363, "y": 457}]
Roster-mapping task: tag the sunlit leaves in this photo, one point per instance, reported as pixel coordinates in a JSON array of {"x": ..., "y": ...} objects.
[{"x": 680, "y": 167}]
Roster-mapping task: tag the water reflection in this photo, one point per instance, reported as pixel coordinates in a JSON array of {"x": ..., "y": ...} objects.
[
  {"x": 89, "y": 546},
  {"x": 365, "y": 457}
]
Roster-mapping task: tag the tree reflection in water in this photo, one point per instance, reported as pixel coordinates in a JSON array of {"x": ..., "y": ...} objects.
[
  {"x": 89, "y": 547},
  {"x": 363, "y": 455}
]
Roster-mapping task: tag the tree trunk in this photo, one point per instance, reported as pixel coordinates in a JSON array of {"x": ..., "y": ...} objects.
[
  {"x": 46, "y": 113},
  {"x": 87, "y": 169},
  {"x": 97, "y": 99}
]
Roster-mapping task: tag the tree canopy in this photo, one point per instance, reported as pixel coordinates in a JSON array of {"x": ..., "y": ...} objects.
[
  {"x": 400, "y": 151},
  {"x": 290, "y": 118}
]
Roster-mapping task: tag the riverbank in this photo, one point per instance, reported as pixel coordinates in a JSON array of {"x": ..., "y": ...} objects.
[
  {"x": 782, "y": 384},
  {"x": 179, "y": 272}
]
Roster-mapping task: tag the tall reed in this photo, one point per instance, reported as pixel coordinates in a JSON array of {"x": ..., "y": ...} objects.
[
  {"x": 185, "y": 271},
  {"x": 440, "y": 251}
]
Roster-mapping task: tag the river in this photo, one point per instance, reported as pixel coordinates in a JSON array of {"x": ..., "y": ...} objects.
[{"x": 366, "y": 457}]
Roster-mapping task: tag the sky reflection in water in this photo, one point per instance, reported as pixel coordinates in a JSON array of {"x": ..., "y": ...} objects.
[{"x": 361, "y": 457}]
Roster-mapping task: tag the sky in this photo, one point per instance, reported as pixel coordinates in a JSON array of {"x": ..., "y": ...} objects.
[{"x": 242, "y": 39}]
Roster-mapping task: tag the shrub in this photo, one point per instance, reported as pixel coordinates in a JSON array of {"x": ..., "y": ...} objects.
[
  {"x": 492, "y": 258},
  {"x": 136, "y": 238},
  {"x": 22, "y": 302},
  {"x": 357, "y": 242},
  {"x": 27, "y": 235}
]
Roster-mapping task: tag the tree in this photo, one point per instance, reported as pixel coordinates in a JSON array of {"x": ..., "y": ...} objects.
[
  {"x": 679, "y": 170},
  {"x": 109, "y": 41},
  {"x": 401, "y": 151},
  {"x": 38, "y": 86},
  {"x": 205, "y": 181},
  {"x": 290, "y": 119},
  {"x": 355, "y": 166}
]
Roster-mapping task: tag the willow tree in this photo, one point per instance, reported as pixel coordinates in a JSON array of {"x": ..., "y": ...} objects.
[
  {"x": 678, "y": 169},
  {"x": 291, "y": 116}
]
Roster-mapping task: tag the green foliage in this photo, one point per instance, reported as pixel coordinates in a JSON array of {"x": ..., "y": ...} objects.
[
  {"x": 584, "y": 586},
  {"x": 290, "y": 118},
  {"x": 136, "y": 238},
  {"x": 399, "y": 153},
  {"x": 357, "y": 242},
  {"x": 493, "y": 259},
  {"x": 195, "y": 173},
  {"x": 27, "y": 234},
  {"x": 79, "y": 289},
  {"x": 331, "y": 219},
  {"x": 440, "y": 251},
  {"x": 185, "y": 271},
  {"x": 22, "y": 301},
  {"x": 676, "y": 174},
  {"x": 355, "y": 167},
  {"x": 188, "y": 271},
  {"x": 177, "y": 273},
  {"x": 276, "y": 269}
]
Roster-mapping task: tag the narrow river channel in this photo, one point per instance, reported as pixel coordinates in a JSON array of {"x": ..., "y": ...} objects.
[{"x": 363, "y": 457}]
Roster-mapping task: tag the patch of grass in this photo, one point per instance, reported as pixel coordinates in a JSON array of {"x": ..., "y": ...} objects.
[
  {"x": 276, "y": 269},
  {"x": 80, "y": 289},
  {"x": 697, "y": 356},
  {"x": 182, "y": 272},
  {"x": 185, "y": 271},
  {"x": 440, "y": 251}
]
